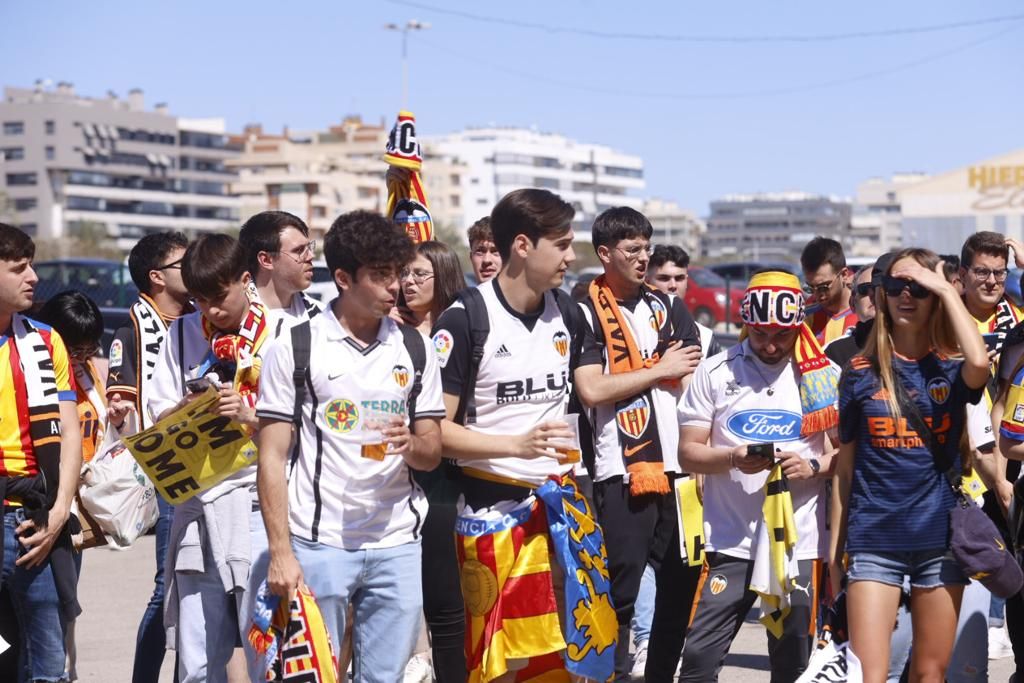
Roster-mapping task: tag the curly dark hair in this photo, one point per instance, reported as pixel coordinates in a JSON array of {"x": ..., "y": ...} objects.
[{"x": 364, "y": 238}]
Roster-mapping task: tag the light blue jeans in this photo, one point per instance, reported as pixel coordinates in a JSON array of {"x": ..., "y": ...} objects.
[
  {"x": 384, "y": 587},
  {"x": 34, "y": 595},
  {"x": 212, "y": 622},
  {"x": 643, "y": 608}
]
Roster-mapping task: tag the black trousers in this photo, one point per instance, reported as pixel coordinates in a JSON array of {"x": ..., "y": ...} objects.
[{"x": 642, "y": 530}]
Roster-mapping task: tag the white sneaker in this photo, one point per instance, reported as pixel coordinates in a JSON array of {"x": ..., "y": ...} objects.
[
  {"x": 418, "y": 670},
  {"x": 639, "y": 662},
  {"x": 999, "y": 646}
]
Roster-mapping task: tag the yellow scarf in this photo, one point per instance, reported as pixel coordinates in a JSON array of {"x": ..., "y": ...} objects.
[{"x": 407, "y": 199}]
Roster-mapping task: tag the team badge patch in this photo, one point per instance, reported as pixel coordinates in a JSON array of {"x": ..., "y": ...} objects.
[
  {"x": 658, "y": 314},
  {"x": 561, "y": 343},
  {"x": 633, "y": 419},
  {"x": 341, "y": 415},
  {"x": 401, "y": 375},
  {"x": 116, "y": 354},
  {"x": 718, "y": 583},
  {"x": 939, "y": 389},
  {"x": 1018, "y": 413},
  {"x": 443, "y": 343}
]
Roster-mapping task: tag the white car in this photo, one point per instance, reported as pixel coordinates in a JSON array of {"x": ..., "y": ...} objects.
[{"x": 323, "y": 288}]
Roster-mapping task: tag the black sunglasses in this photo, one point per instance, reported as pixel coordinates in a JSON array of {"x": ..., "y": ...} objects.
[
  {"x": 865, "y": 289},
  {"x": 894, "y": 286}
]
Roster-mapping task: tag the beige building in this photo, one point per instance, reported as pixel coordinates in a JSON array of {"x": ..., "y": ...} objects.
[
  {"x": 876, "y": 225},
  {"x": 320, "y": 174},
  {"x": 674, "y": 225}
]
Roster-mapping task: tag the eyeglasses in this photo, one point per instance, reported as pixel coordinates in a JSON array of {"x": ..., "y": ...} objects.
[
  {"x": 84, "y": 353},
  {"x": 299, "y": 253},
  {"x": 865, "y": 289},
  {"x": 173, "y": 264},
  {"x": 418, "y": 276},
  {"x": 823, "y": 288},
  {"x": 983, "y": 274},
  {"x": 894, "y": 286},
  {"x": 633, "y": 253}
]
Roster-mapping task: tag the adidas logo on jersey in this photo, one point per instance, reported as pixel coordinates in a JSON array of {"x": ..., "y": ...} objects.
[{"x": 503, "y": 352}]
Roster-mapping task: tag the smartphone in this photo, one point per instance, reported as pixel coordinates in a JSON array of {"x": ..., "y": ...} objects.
[
  {"x": 992, "y": 340},
  {"x": 762, "y": 450},
  {"x": 198, "y": 385}
]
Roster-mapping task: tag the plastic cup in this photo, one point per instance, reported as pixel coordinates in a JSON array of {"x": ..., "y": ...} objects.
[{"x": 569, "y": 449}]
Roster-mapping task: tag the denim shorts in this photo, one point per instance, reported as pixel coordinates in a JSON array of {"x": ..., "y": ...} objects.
[{"x": 925, "y": 568}]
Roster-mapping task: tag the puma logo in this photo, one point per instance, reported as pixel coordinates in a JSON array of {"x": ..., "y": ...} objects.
[{"x": 630, "y": 452}]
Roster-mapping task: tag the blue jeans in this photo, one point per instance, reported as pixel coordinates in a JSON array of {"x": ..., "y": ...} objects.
[
  {"x": 384, "y": 587},
  {"x": 151, "y": 641},
  {"x": 37, "y": 608},
  {"x": 643, "y": 608},
  {"x": 924, "y": 568}
]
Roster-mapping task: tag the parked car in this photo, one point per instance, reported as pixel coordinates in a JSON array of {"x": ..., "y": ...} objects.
[
  {"x": 323, "y": 288},
  {"x": 108, "y": 283},
  {"x": 708, "y": 299}
]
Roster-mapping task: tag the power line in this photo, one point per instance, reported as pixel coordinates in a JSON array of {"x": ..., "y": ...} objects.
[
  {"x": 477, "y": 60},
  {"x": 693, "y": 38}
]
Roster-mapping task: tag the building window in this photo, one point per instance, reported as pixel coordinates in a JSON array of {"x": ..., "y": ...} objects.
[
  {"x": 14, "y": 127},
  {"x": 25, "y": 203},
  {"x": 13, "y": 153},
  {"x": 51, "y": 153},
  {"x": 455, "y": 201},
  {"x": 454, "y": 178},
  {"x": 29, "y": 229},
  {"x": 51, "y": 127},
  {"x": 21, "y": 179}
]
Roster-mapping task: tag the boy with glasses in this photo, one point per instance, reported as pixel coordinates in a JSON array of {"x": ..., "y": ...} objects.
[
  {"x": 280, "y": 255},
  {"x": 828, "y": 285}
]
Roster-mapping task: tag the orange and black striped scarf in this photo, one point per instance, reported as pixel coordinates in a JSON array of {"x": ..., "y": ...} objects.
[{"x": 635, "y": 417}]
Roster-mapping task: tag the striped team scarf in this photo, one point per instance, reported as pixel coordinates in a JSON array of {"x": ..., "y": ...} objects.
[
  {"x": 150, "y": 329},
  {"x": 237, "y": 352},
  {"x": 774, "y": 299},
  {"x": 407, "y": 199},
  {"x": 292, "y": 637},
  {"x": 635, "y": 416}
]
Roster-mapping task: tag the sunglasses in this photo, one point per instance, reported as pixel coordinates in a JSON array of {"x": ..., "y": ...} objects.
[
  {"x": 894, "y": 286},
  {"x": 865, "y": 289}
]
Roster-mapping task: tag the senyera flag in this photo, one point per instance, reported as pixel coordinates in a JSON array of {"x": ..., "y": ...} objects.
[{"x": 407, "y": 200}]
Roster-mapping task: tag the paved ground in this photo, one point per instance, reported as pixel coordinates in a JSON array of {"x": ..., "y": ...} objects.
[{"x": 116, "y": 586}]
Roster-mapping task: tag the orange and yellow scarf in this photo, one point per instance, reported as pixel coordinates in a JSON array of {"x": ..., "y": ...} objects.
[
  {"x": 407, "y": 200},
  {"x": 236, "y": 352}
]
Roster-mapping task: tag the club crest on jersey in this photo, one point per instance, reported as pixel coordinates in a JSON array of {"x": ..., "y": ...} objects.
[
  {"x": 341, "y": 415},
  {"x": 401, "y": 375},
  {"x": 633, "y": 419},
  {"x": 939, "y": 389},
  {"x": 658, "y": 313},
  {"x": 561, "y": 343},
  {"x": 116, "y": 354},
  {"x": 443, "y": 344},
  {"x": 718, "y": 583}
]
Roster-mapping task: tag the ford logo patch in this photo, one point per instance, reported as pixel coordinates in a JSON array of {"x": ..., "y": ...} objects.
[{"x": 765, "y": 425}]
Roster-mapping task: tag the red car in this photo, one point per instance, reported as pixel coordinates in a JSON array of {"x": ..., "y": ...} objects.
[{"x": 706, "y": 298}]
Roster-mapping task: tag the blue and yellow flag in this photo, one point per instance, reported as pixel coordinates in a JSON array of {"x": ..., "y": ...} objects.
[{"x": 591, "y": 626}]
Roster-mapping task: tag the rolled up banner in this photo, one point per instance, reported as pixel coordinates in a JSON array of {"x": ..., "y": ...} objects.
[{"x": 407, "y": 199}]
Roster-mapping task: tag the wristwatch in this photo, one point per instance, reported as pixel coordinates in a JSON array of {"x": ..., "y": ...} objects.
[{"x": 815, "y": 466}]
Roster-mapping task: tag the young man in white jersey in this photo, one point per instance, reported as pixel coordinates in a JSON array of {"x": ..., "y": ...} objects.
[
  {"x": 639, "y": 346},
  {"x": 280, "y": 255},
  {"x": 217, "y": 533},
  {"x": 508, "y": 441},
  {"x": 775, "y": 390},
  {"x": 155, "y": 267},
  {"x": 668, "y": 271},
  {"x": 346, "y": 521}
]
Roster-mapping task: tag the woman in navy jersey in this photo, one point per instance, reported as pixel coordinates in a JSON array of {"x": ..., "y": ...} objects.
[{"x": 891, "y": 498}]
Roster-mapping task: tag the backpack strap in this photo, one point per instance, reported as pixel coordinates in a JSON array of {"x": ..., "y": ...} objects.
[
  {"x": 301, "y": 340},
  {"x": 479, "y": 328},
  {"x": 417, "y": 350}
]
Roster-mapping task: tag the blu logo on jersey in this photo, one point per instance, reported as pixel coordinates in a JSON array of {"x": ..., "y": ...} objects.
[{"x": 765, "y": 425}]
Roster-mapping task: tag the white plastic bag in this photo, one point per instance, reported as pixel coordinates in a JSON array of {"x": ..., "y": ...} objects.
[{"x": 116, "y": 492}]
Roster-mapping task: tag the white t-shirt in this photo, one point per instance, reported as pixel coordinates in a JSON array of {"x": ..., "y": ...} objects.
[
  {"x": 522, "y": 381},
  {"x": 336, "y": 496},
  {"x": 729, "y": 396},
  {"x": 280, "y": 320}
]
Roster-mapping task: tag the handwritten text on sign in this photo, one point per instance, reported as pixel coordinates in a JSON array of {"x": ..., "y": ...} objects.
[{"x": 191, "y": 450}]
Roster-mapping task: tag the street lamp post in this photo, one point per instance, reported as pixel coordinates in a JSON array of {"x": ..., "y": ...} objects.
[{"x": 411, "y": 25}]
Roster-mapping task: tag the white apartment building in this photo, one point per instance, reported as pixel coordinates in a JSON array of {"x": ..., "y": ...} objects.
[
  {"x": 68, "y": 160},
  {"x": 318, "y": 175},
  {"x": 876, "y": 225},
  {"x": 498, "y": 160}
]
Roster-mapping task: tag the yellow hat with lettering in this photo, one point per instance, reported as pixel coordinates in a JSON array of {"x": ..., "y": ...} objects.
[{"x": 773, "y": 299}]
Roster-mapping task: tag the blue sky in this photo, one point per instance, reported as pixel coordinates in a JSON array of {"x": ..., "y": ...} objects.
[{"x": 307, "y": 64}]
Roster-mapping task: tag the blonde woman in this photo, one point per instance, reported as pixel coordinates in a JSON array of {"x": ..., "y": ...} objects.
[{"x": 891, "y": 499}]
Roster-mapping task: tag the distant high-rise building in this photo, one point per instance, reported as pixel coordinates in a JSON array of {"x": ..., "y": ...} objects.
[
  {"x": 591, "y": 177},
  {"x": 876, "y": 223},
  {"x": 68, "y": 160},
  {"x": 674, "y": 225},
  {"x": 772, "y": 226}
]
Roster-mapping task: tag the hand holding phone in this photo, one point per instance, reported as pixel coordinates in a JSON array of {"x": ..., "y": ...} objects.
[
  {"x": 198, "y": 385},
  {"x": 762, "y": 450}
]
